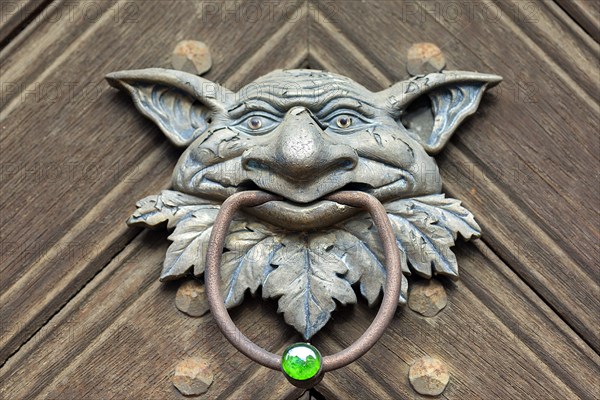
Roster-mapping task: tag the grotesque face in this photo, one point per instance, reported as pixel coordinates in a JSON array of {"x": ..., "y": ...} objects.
[{"x": 303, "y": 134}]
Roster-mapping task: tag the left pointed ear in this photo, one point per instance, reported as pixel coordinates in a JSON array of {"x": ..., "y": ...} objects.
[
  {"x": 432, "y": 106},
  {"x": 181, "y": 104}
]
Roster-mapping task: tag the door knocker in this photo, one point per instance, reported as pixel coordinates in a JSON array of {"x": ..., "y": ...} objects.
[{"x": 311, "y": 183}]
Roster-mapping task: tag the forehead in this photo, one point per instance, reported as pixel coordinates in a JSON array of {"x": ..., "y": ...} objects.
[{"x": 316, "y": 90}]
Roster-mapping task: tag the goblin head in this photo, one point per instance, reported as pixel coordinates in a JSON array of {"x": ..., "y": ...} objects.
[{"x": 303, "y": 134}]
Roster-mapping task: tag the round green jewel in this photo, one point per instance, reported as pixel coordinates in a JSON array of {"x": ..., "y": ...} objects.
[{"x": 301, "y": 361}]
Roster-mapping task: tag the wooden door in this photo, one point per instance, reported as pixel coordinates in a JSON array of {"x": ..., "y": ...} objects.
[{"x": 83, "y": 313}]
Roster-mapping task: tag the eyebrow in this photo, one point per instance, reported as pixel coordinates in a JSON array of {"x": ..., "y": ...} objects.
[
  {"x": 278, "y": 106},
  {"x": 238, "y": 110},
  {"x": 346, "y": 103}
]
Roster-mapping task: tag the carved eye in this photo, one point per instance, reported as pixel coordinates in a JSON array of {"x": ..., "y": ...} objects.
[
  {"x": 254, "y": 123},
  {"x": 344, "y": 121},
  {"x": 257, "y": 124}
]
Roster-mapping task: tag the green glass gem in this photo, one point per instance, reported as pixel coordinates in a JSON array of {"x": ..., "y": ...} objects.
[{"x": 301, "y": 361}]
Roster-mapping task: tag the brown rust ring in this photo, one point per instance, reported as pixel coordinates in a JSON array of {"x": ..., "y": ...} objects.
[{"x": 386, "y": 311}]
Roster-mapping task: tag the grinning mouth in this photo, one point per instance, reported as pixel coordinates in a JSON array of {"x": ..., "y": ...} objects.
[
  {"x": 352, "y": 186},
  {"x": 303, "y": 205}
]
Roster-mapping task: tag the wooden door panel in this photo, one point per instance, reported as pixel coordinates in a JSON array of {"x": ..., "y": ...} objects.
[
  {"x": 83, "y": 314},
  {"x": 73, "y": 222},
  {"x": 526, "y": 178}
]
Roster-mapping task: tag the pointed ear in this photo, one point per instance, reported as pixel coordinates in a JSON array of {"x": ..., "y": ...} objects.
[
  {"x": 432, "y": 106},
  {"x": 181, "y": 104}
]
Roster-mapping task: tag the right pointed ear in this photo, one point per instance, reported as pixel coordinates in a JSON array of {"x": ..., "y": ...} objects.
[
  {"x": 442, "y": 101},
  {"x": 181, "y": 104}
]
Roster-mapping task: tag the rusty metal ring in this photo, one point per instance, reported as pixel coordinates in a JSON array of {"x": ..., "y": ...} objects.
[{"x": 212, "y": 278}]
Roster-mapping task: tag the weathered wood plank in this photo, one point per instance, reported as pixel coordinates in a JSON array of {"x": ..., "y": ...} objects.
[
  {"x": 586, "y": 13},
  {"x": 15, "y": 15},
  {"x": 526, "y": 178},
  {"x": 498, "y": 336},
  {"x": 552, "y": 36},
  {"x": 76, "y": 210},
  {"x": 121, "y": 337},
  {"x": 503, "y": 343},
  {"x": 34, "y": 52}
]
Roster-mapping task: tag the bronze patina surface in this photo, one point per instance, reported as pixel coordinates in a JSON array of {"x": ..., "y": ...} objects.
[{"x": 307, "y": 136}]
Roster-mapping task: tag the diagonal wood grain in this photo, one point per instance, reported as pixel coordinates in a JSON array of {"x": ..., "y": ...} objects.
[
  {"x": 16, "y": 15},
  {"x": 35, "y": 51},
  {"x": 586, "y": 13},
  {"x": 53, "y": 247},
  {"x": 502, "y": 343},
  {"x": 121, "y": 337},
  {"x": 526, "y": 178}
]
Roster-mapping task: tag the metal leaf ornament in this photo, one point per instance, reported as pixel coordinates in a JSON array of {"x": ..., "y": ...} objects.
[{"x": 308, "y": 272}]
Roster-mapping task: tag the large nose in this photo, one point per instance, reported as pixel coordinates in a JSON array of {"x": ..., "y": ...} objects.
[{"x": 299, "y": 151}]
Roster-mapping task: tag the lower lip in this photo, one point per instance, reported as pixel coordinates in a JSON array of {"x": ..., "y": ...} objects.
[{"x": 294, "y": 217}]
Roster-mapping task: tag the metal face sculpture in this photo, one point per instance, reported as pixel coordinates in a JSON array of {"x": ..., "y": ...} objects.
[{"x": 304, "y": 135}]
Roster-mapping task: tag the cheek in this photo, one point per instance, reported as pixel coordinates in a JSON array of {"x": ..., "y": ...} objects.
[
  {"x": 217, "y": 146},
  {"x": 387, "y": 144}
]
